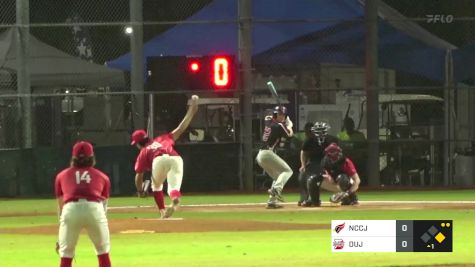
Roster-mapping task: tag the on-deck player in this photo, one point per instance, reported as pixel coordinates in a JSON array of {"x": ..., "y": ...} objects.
[
  {"x": 160, "y": 157},
  {"x": 278, "y": 126},
  {"x": 82, "y": 192}
]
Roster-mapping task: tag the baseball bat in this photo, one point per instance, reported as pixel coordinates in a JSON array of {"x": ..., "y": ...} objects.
[{"x": 273, "y": 91}]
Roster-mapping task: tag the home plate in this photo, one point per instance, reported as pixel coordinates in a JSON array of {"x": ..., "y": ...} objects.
[
  {"x": 165, "y": 219},
  {"x": 137, "y": 232}
]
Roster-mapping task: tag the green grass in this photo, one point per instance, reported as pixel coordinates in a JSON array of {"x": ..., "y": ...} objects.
[
  {"x": 257, "y": 248},
  {"x": 281, "y": 248}
]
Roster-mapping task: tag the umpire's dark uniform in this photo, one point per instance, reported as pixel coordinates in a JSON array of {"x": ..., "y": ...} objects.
[{"x": 314, "y": 152}]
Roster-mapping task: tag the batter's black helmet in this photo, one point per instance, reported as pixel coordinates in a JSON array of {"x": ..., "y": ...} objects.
[{"x": 280, "y": 109}]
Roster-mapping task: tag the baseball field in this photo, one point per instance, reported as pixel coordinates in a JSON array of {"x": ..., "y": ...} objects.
[{"x": 236, "y": 230}]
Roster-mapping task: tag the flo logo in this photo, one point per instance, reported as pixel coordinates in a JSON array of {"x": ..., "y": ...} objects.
[
  {"x": 438, "y": 18},
  {"x": 339, "y": 227},
  {"x": 338, "y": 244}
]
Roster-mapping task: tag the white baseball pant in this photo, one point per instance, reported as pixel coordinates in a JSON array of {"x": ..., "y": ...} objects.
[
  {"x": 275, "y": 167},
  {"x": 80, "y": 215},
  {"x": 168, "y": 168}
]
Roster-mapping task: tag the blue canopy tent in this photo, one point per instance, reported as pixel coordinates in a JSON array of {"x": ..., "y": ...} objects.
[
  {"x": 309, "y": 31},
  {"x": 344, "y": 43},
  {"x": 222, "y": 37}
]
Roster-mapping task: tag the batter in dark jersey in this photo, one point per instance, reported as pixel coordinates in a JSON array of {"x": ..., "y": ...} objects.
[{"x": 278, "y": 126}]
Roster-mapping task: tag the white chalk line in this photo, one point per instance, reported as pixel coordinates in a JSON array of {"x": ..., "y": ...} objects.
[{"x": 295, "y": 203}]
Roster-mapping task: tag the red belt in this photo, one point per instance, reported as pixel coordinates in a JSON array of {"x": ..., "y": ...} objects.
[{"x": 87, "y": 199}]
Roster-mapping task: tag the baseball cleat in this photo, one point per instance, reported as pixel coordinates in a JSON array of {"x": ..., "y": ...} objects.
[
  {"x": 173, "y": 207},
  {"x": 162, "y": 213},
  {"x": 276, "y": 193}
]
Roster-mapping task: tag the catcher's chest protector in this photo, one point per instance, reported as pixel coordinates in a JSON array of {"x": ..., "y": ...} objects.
[{"x": 334, "y": 169}]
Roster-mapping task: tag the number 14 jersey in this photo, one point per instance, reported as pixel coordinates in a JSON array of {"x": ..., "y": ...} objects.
[{"x": 88, "y": 183}]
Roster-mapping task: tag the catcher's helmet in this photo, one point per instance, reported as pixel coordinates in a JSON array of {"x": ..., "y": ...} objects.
[
  {"x": 320, "y": 130},
  {"x": 334, "y": 152}
]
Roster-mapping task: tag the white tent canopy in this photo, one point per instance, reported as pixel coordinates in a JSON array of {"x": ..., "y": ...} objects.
[{"x": 51, "y": 67}]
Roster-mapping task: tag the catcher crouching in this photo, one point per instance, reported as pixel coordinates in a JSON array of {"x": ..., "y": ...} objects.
[{"x": 338, "y": 174}]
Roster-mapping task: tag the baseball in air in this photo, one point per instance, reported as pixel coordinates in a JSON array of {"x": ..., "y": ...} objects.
[{"x": 195, "y": 97}]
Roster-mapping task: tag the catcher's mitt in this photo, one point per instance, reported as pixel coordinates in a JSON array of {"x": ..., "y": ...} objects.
[{"x": 338, "y": 197}]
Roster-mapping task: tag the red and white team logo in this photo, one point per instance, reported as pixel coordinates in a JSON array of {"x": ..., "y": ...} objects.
[
  {"x": 339, "y": 227},
  {"x": 338, "y": 243}
]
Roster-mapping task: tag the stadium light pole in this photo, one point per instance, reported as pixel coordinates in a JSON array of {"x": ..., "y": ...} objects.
[
  {"x": 23, "y": 70},
  {"x": 137, "y": 68},
  {"x": 372, "y": 91},
  {"x": 245, "y": 81}
]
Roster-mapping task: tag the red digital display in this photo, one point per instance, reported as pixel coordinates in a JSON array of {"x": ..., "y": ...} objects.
[
  {"x": 214, "y": 72},
  {"x": 221, "y": 71},
  {"x": 194, "y": 66}
]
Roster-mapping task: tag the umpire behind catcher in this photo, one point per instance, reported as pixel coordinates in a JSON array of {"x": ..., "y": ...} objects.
[{"x": 311, "y": 154}]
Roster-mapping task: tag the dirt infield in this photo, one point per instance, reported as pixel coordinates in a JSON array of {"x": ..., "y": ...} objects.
[
  {"x": 126, "y": 226},
  {"x": 142, "y": 225}
]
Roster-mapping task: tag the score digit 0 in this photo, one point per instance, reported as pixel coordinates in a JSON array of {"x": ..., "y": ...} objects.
[
  {"x": 221, "y": 71},
  {"x": 404, "y": 244}
]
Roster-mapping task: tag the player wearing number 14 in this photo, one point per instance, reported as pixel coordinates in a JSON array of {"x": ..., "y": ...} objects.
[{"x": 82, "y": 192}]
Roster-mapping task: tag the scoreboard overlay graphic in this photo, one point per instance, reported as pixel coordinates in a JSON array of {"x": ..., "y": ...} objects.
[{"x": 391, "y": 235}]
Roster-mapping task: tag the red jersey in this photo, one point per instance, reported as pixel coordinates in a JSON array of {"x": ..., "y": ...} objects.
[
  {"x": 344, "y": 165},
  {"x": 74, "y": 183},
  {"x": 349, "y": 167},
  {"x": 161, "y": 145}
]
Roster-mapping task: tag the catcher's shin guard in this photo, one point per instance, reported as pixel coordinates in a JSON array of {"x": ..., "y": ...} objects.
[{"x": 313, "y": 187}]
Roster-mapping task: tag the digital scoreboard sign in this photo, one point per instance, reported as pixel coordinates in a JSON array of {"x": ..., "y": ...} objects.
[
  {"x": 171, "y": 73},
  {"x": 392, "y": 235}
]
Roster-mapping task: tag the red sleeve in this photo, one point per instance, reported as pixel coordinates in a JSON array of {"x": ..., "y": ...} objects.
[
  {"x": 107, "y": 187},
  {"x": 141, "y": 162},
  {"x": 349, "y": 167},
  {"x": 58, "y": 192},
  {"x": 170, "y": 136}
]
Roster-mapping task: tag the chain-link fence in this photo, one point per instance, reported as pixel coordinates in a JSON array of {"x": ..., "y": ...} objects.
[{"x": 68, "y": 71}]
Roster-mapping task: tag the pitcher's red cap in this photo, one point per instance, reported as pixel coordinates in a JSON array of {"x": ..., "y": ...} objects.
[
  {"x": 138, "y": 136},
  {"x": 83, "y": 149}
]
